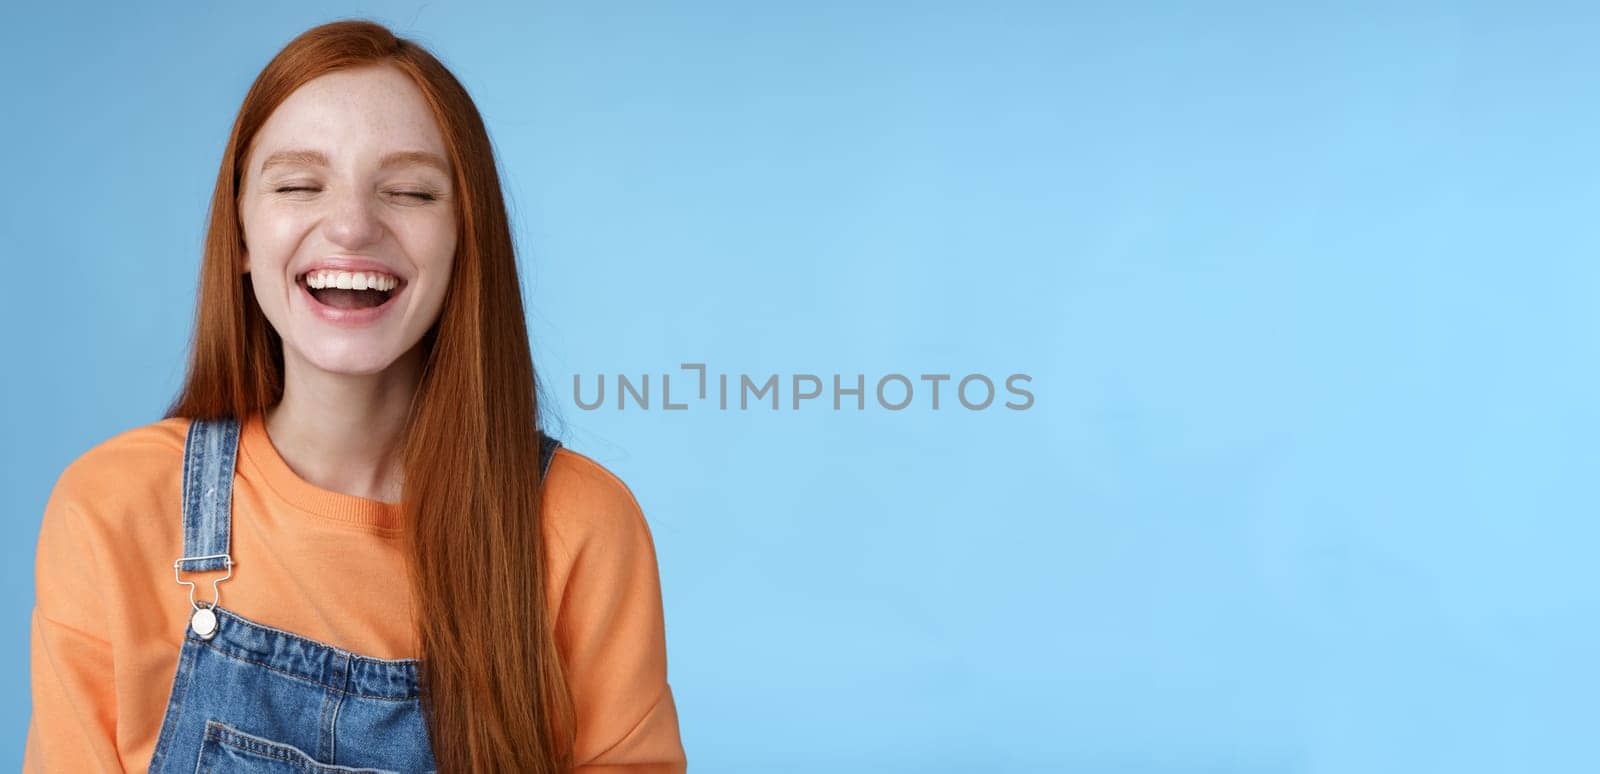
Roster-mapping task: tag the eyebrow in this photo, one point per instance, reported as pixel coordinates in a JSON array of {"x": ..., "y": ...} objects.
[{"x": 314, "y": 158}]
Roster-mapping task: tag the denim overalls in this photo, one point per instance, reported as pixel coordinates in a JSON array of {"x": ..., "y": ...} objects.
[{"x": 251, "y": 698}]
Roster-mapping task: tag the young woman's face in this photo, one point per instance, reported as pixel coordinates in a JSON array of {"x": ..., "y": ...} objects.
[{"x": 347, "y": 186}]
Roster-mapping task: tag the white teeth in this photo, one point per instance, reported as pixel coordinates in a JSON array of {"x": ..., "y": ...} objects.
[{"x": 359, "y": 280}]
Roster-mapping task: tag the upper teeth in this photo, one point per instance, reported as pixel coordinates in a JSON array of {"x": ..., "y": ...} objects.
[{"x": 347, "y": 280}]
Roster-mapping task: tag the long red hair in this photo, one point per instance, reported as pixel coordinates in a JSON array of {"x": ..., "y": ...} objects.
[{"x": 493, "y": 687}]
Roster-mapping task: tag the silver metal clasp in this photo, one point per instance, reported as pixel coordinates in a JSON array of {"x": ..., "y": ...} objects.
[{"x": 204, "y": 620}]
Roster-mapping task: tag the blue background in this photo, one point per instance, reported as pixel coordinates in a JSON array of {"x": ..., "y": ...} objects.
[{"x": 1306, "y": 295}]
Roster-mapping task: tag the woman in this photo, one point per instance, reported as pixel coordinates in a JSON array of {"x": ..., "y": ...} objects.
[{"x": 415, "y": 577}]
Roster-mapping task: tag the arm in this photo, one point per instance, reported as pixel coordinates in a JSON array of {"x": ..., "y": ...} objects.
[
  {"x": 73, "y": 725},
  {"x": 612, "y": 632}
]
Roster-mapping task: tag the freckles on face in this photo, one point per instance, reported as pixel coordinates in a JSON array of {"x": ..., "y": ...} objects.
[{"x": 349, "y": 174}]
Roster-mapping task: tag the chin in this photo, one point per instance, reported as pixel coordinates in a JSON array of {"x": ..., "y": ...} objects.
[
  {"x": 350, "y": 362},
  {"x": 355, "y": 368}
]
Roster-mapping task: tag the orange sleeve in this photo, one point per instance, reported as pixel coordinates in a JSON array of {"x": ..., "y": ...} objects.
[
  {"x": 73, "y": 725},
  {"x": 612, "y": 629}
]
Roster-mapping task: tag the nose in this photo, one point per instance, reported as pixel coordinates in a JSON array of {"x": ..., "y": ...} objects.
[{"x": 351, "y": 223}]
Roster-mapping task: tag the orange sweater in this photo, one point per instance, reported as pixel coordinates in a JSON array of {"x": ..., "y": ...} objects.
[{"x": 109, "y": 618}]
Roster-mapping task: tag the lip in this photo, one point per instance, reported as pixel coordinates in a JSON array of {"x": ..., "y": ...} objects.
[{"x": 348, "y": 318}]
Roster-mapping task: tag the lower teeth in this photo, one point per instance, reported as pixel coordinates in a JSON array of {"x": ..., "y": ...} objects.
[{"x": 340, "y": 298}]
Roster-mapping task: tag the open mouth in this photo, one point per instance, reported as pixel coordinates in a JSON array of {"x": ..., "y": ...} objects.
[{"x": 366, "y": 292}]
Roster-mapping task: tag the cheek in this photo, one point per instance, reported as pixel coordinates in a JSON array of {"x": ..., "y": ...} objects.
[
  {"x": 271, "y": 238},
  {"x": 431, "y": 244},
  {"x": 439, "y": 241}
]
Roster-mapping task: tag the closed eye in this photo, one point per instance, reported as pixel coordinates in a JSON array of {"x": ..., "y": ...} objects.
[{"x": 419, "y": 195}]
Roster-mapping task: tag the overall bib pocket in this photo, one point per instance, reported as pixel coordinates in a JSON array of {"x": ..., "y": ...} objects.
[{"x": 227, "y": 749}]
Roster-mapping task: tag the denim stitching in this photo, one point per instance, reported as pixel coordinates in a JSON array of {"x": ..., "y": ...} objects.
[
  {"x": 174, "y": 715},
  {"x": 354, "y": 656},
  {"x": 299, "y": 677},
  {"x": 224, "y": 734}
]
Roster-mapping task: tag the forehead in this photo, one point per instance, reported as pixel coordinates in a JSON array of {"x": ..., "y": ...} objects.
[{"x": 353, "y": 116}]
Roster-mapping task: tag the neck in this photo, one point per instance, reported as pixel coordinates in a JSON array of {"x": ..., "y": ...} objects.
[{"x": 344, "y": 432}]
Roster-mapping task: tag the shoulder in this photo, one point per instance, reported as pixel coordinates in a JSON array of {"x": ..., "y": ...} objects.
[
  {"x": 144, "y": 449},
  {"x": 108, "y": 514},
  {"x": 130, "y": 467},
  {"x": 586, "y": 504}
]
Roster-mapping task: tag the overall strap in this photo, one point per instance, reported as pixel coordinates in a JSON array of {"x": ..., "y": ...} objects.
[
  {"x": 547, "y": 452},
  {"x": 208, "y": 465},
  {"x": 208, "y": 457}
]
